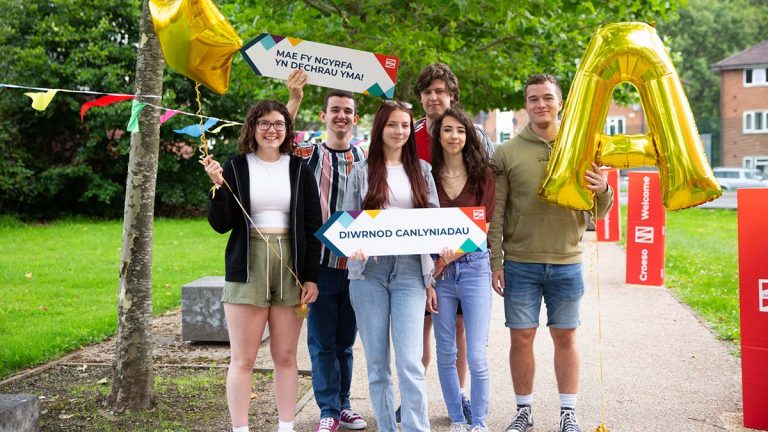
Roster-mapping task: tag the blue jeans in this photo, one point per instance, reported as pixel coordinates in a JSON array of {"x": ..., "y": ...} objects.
[
  {"x": 392, "y": 295},
  {"x": 468, "y": 280},
  {"x": 331, "y": 330},
  {"x": 561, "y": 286}
]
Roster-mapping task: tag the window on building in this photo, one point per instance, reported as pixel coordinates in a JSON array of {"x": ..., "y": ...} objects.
[
  {"x": 756, "y": 76},
  {"x": 755, "y": 121},
  {"x": 615, "y": 125}
]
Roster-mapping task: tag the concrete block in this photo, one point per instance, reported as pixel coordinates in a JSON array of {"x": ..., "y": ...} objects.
[
  {"x": 19, "y": 413},
  {"x": 202, "y": 314}
]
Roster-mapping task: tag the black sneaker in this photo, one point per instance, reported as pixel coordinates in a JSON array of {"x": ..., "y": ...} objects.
[
  {"x": 466, "y": 409},
  {"x": 568, "y": 422},
  {"x": 523, "y": 420},
  {"x": 398, "y": 415}
]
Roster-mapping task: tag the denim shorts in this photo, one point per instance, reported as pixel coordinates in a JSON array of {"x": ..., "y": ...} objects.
[{"x": 525, "y": 284}]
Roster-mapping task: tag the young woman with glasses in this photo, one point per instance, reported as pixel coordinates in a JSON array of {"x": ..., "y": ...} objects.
[
  {"x": 389, "y": 292},
  {"x": 464, "y": 178},
  {"x": 272, "y": 255}
]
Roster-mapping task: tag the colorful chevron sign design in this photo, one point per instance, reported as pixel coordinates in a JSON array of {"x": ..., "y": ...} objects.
[{"x": 405, "y": 231}]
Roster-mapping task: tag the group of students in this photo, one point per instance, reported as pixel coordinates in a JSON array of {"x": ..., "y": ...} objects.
[{"x": 277, "y": 196}]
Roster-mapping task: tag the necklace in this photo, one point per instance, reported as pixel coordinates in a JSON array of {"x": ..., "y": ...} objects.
[{"x": 451, "y": 177}]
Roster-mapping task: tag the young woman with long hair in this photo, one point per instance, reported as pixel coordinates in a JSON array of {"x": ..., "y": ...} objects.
[
  {"x": 464, "y": 178},
  {"x": 272, "y": 255},
  {"x": 389, "y": 292}
]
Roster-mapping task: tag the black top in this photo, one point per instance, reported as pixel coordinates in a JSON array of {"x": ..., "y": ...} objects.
[{"x": 305, "y": 219}]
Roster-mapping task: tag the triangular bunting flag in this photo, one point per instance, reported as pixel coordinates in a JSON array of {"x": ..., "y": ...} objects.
[
  {"x": 133, "y": 123},
  {"x": 40, "y": 100},
  {"x": 167, "y": 115},
  {"x": 195, "y": 130},
  {"x": 102, "y": 101}
]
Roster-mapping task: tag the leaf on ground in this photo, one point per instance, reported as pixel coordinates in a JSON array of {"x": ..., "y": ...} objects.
[
  {"x": 103, "y": 381},
  {"x": 254, "y": 395},
  {"x": 43, "y": 308},
  {"x": 28, "y": 275},
  {"x": 66, "y": 416}
]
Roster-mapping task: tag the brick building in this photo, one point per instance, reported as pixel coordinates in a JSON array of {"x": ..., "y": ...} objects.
[{"x": 744, "y": 108}]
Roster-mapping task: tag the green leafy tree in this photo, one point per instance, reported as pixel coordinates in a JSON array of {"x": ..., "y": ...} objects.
[
  {"x": 58, "y": 165},
  {"x": 491, "y": 46},
  {"x": 706, "y": 32}
]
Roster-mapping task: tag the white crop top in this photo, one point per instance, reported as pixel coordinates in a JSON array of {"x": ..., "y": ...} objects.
[
  {"x": 270, "y": 191},
  {"x": 400, "y": 195}
]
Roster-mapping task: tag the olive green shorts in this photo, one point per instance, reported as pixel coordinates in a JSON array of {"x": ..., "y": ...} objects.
[{"x": 270, "y": 282}]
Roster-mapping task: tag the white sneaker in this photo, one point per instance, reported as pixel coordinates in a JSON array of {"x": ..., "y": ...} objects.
[
  {"x": 458, "y": 427},
  {"x": 479, "y": 428}
]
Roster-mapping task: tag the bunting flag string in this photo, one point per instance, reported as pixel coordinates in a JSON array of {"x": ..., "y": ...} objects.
[{"x": 42, "y": 97}]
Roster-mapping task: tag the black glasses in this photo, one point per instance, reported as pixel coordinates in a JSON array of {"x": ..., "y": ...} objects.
[
  {"x": 397, "y": 104},
  {"x": 264, "y": 125}
]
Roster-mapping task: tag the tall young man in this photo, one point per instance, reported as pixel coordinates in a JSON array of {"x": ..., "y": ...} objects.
[
  {"x": 438, "y": 89},
  {"x": 331, "y": 324},
  {"x": 535, "y": 254}
]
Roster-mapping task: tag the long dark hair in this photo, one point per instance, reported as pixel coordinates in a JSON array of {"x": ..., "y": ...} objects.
[
  {"x": 474, "y": 155},
  {"x": 247, "y": 139},
  {"x": 378, "y": 189}
]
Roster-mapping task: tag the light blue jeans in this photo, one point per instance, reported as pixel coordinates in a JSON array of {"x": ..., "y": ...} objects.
[
  {"x": 468, "y": 280},
  {"x": 392, "y": 295}
]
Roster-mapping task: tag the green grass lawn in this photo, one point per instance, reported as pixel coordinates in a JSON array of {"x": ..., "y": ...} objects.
[
  {"x": 702, "y": 265},
  {"x": 58, "y": 281}
]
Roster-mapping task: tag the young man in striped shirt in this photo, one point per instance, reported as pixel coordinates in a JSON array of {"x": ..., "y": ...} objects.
[{"x": 331, "y": 325}]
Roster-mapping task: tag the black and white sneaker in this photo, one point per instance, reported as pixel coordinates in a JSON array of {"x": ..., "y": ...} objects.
[
  {"x": 568, "y": 422},
  {"x": 523, "y": 420}
]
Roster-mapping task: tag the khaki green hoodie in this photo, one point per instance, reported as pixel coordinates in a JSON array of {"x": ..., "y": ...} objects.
[{"x": 525, "y": 228}]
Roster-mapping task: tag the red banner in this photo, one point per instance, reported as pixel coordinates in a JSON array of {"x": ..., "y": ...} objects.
[
  {"x": 753, "y": 293},
  {"x": 646, "y": 229},
  {"x": 608, "y": 229}
]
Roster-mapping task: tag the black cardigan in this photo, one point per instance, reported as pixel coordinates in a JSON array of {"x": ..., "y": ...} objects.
[{"x": 305, "y": 219}]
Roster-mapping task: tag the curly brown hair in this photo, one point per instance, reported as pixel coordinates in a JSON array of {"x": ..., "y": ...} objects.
[
  {"x": 437, "y": 71},
  {"x": 247, "y": 139}
]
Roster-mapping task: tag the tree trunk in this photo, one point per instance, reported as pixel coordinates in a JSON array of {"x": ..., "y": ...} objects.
[{"x": 132, "y": 387}]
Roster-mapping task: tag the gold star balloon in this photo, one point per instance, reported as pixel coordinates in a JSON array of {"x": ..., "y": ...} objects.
[{"x": 196, "y": 39}]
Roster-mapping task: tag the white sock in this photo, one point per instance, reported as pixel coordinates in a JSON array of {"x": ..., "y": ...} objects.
[
  {"x": 240, "y": 428},
  {"x": 524, "y": 399},
  {"x": 568, "y": 400},
  {"x": 463, "y": 391},
  {"x": 285, "y": 426}
]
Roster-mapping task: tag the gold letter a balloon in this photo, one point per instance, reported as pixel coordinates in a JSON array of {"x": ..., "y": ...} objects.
[
  {"x": 628, "y": 52},
  {"x": 196, "y": 39}
]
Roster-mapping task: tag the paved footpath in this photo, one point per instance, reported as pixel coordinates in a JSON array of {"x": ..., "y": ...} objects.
[{"x": 664, "y": 370}]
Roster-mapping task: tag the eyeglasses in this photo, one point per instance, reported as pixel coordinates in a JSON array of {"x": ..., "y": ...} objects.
[
  {"x": 397, "y": 104},
  {"x": 264, "y": 125}
]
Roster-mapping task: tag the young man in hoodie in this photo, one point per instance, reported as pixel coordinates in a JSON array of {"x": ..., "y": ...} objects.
[{"x": 535, "y": 254}]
